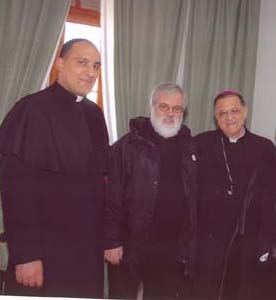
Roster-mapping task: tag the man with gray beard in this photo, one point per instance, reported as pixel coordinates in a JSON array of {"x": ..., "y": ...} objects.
[{"x": 150, "y": 206}]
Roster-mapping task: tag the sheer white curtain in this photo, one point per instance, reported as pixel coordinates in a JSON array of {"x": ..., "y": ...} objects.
[
  {"x": 181, "y": 64},
  {"x": 107, "y": 54}
]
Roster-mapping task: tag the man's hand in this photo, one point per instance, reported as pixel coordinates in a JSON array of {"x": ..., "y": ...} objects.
[
  {"x": 114, "y": 256},
  {"x": 30, "y": 274}
]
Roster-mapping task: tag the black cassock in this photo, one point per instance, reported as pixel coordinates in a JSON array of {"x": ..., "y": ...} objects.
[
  {"x": 228, "y": 257},
  {"x": 53, "y": 162}
]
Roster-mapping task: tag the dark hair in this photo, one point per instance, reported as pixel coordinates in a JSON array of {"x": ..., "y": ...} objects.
[
  {"x": 229, "y": 93},
  {"x": 68, "y": 45}
]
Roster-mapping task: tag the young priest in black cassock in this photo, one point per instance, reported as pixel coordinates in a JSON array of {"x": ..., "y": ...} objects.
[{"x": 53, "y": 145}]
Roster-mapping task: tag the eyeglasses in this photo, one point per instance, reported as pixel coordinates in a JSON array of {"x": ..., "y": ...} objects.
[
  {"x": 166, "y": 107},
  {"x": 235, "y": 112}
]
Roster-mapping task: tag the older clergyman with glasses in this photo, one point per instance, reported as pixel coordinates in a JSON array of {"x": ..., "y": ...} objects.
[
  {"x": 150, "y": 210},
  {"x": 236, "y": 225}
]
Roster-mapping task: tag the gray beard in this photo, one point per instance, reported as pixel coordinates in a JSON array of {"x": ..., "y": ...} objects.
[{"x": 165, "y": 130}]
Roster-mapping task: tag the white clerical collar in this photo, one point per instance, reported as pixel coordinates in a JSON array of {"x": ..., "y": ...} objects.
[
  {"x": 79, "y": 98},
  {"x": 235, "y": 139}
]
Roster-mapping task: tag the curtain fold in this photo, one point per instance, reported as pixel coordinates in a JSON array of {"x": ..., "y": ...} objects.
[
  {"x": 28, "y": 36},
  {"x": 107, "y": 56},
  {"x": 221, "y": 54},
  {"x": 147, "y": 48},
  {"x": 205, "y": 46}
]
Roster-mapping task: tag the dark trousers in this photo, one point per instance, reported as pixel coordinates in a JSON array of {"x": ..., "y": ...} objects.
[{"x": 160, "y": 281}]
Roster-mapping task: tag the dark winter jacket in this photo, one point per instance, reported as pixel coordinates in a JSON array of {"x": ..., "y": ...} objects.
[{"x": 133, "y": 185}]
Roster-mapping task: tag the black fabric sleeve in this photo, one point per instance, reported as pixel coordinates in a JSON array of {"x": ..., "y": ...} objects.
[
  {"x": 267, "y": 234},
  {"x": 115, "y": 220},
  {"x": 20, "y": 197}
]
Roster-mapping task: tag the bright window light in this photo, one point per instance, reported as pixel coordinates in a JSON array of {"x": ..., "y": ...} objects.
[{"x": 91, "y": 33}]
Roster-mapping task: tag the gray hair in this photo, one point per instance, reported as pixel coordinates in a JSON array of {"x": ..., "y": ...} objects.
[{"x": 167, "y": 87}]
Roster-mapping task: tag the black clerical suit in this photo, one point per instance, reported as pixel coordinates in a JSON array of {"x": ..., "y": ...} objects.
[
  {"x": 53, "y": 161},
  {"x": 235, "y": 215}
]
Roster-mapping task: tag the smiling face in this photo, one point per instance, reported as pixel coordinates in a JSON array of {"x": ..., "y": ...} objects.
[
  {"x": 230, "y": 115},
  {"x": 79, "y": 68}
]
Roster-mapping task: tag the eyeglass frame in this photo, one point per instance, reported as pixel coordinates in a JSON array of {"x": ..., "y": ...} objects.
[
  {"x": 232, "y": 112},
  {"x": 177, "y": 109}
]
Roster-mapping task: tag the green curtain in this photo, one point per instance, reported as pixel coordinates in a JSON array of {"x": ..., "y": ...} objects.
[
  {"x": 29, "y": 32},
  {"x": 147, "y": 48},
  {"x": 205, "y": 45},
  {"x": 220, "y": 54}
]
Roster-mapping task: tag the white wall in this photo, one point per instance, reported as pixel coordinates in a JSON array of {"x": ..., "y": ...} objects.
[{"x": 264, "y": 105}]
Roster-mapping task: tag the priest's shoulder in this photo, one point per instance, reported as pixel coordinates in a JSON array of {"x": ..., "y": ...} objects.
[
  {"x": 29, "y": 103},
  {"x": 35, "y": 99},
  {"x": 260, "y": 139},
  {"x": 92, "y": 106},
  {"x": 207, "y": 137}
]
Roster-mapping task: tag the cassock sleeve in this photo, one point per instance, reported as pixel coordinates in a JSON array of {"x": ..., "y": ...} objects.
[
  {"x": 267, "y": 234},
  {"x": 21, "y": 210}
]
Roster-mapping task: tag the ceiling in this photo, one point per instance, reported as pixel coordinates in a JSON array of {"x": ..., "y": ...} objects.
[{"x": 87, "y": 4}]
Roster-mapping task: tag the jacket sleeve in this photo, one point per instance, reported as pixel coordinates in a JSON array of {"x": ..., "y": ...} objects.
[
  {"x": 21, "y": 210},
  {"x": 115, "y": 219}
]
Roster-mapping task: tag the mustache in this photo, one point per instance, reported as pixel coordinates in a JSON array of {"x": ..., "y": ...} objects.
[
  {"x": 168, "y": 118},
  {"x": 166, "y": 130}
]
